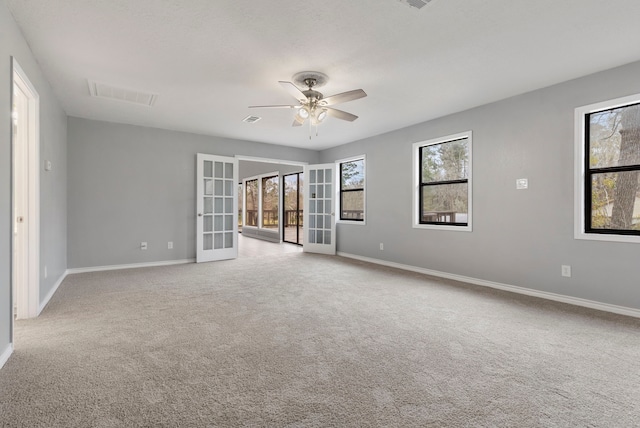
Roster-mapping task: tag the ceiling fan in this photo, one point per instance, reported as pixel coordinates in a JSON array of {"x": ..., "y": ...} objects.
[{"x": 312, "y": 104}]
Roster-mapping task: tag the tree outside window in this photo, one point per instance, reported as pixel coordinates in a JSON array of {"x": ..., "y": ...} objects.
[
  {"x": 270, "y": 203},
  {"x": 251, "y": 201},
  {"x": 444, "y": 171},
  {"x": 612, "y": 171},
  {"x": 352, "y": 176}
]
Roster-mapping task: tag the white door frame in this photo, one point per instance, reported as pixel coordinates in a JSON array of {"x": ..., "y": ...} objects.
[{"x": 27, "y": 289}]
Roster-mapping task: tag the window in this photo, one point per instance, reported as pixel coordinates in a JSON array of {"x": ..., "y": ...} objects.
[
  {"x": 251, "y": 202},
  {"x": 608, "y": 192},
  {"x": 270, "y": 195},
  {"x": 352, "y": 197},
  {"x": 442, "y": 171},
  {"x": 262, "y": 203}
]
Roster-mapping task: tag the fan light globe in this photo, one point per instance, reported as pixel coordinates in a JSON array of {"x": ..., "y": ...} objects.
[
  {"x": 303, "y": 113},
  {"x": 322, "y": 114}
]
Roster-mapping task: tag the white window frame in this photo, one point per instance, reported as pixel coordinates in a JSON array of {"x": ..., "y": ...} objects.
[
  {"x": 338, "y": 199},
  {"x": 579, "y": 169},
  {"x": 416, "y": 183}
]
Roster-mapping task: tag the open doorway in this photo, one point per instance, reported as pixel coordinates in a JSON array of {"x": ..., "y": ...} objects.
[
  {"x": 261, "y": 208},
  {"x": 25, "y": 181}
]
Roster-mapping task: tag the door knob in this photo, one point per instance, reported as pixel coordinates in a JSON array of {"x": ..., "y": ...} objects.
[{"x": 199, "y": 214}]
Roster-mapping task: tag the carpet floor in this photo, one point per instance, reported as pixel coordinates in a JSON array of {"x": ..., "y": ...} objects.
[{"x": 302, "y": 340}]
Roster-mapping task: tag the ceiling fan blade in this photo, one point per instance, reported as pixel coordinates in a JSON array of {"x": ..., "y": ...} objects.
[
  {"x": 343, "y": 97},
  {"x": 339, "y": 114},
  {"x": 293, "y": 90},
  {"x": 274, "y": 106}
]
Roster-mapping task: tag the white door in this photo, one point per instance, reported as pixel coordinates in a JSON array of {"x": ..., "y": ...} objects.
[
  {"x": 26, "y": 195},
  {"x": 217, "y": 207},
  {"x": 319, "y": 212}
]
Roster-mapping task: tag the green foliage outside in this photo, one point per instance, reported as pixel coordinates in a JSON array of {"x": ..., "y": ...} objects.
[
  {"x": 444, "y": 162},
  {"x": 614, "y": 139}
]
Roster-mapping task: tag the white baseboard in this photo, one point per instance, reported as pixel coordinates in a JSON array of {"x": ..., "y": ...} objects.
[
  {"x": 4, "y": 357},
  {"x": 129, "y": 266},
  {"x": 49, "y": 295},
  {"x": 622, "y": 310}
]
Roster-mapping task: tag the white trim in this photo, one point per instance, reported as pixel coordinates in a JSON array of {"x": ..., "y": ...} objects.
[
  {"x": 579, "y": 154},
  {"x": 129, "y": 266},
  {"x": 269, "y": 160},
  {"x": 4, "y": 357},
  {"x": 20, "y": 78},
  {"x": 50, "y": 294},
  {"x": 363, "y": 158},
  {"x": 576, "y": 301},
  {"x": 416, "y": 183}
]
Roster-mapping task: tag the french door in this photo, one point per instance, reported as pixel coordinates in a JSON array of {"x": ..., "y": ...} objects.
[
  {"x": 216, "y": 208},
  {"x": 319, "y": 212}
]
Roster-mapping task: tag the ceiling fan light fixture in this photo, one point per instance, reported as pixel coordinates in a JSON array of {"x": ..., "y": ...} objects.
[
  {"x": 303, "y": 113},
  {"x": 321, "y": 115}
]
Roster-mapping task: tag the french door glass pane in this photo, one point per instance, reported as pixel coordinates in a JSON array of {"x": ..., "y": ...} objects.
[
  {"x": 218, "y": 170},
  {"x": 208, "y": 169},
  {"x": 228, "y": 171},
  {"x": 208, "y": 186},
  {"x": 218, "y": 188},
  {"x": 207, "y": 242},
  {"x": 217, "y": 241},
  {"x": 208, "y": 205},
  {"x": 218, "y": 223},
  {"x": 207, "y": 223}
]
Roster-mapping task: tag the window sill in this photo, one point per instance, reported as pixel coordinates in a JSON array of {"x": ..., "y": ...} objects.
[{"x": 467, "y": 228}]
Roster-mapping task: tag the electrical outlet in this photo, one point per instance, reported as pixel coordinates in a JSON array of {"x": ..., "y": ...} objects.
[
  {"x": 566, "y": 271},
  {"x": 381, "y": 246},
  {"x": 170, "y": 245},
  {"x": 143, "y": 245}
]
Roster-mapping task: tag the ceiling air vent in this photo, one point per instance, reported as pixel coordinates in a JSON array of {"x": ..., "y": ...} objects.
[
  {"x": 418, "y": 4},
  {"x": 103, "y": 90},
  {"x": 251, "y": 119}
]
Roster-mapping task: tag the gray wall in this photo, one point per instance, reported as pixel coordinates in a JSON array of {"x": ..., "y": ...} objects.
[
  {"x": 53, "y": 202},
  {"x": 129, "y": 184},
  {"x": 520, "y": 237}
]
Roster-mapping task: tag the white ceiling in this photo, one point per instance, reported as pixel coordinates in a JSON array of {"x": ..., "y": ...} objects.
[{"x": 208, "y": 60}]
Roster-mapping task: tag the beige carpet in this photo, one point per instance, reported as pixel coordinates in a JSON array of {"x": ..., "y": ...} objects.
[{"x": 300, "y": 340}]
